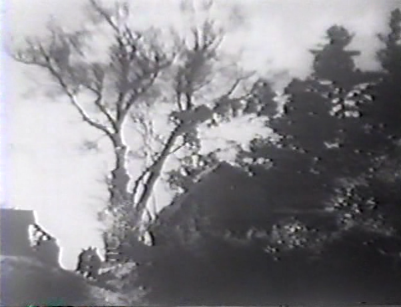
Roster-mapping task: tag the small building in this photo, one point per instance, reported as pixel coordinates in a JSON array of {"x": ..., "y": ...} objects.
[
  {"x": 15, "y": 228},
  {"x": 14, "y": 225}
]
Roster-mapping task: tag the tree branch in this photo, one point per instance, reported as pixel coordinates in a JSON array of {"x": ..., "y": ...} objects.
[
  {"x": 154, "y": 171},
  {"x": 145, "y": 129},
  {"x": 102, "y": 108},
  {"x": 125, "y": 55},
  {"x": 136, "y": 94},
  {"x": 47, "y": 64},
  {"x": 104, "y": 14}
]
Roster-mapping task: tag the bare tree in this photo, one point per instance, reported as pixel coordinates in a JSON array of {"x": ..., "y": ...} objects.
[{"x": 124, "y": 82}]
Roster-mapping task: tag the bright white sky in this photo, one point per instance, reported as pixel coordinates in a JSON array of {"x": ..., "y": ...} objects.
[{"x": 42, "y": 165}]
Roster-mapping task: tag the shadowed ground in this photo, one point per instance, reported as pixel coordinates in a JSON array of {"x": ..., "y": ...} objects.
[{"x": 27, "y": 282}]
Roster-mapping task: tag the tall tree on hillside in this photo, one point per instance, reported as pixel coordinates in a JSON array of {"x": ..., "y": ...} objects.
[
  {"x": 135, "y": 75},
  {"x": 324, "y": 113},
  {"x": 330, "y": 122},
  {"x": 378, "y": 144},
  {"x": 383, "y": 117},
  {"x": 318, "y": 127}
]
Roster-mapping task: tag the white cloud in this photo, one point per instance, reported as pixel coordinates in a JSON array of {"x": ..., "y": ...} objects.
[{"x": 240, "y": 131}]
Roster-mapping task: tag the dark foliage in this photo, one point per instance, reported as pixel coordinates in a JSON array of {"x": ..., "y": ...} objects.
[{"x": 315, "y": 217}]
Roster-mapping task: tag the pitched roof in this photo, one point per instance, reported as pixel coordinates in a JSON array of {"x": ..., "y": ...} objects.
[{"x": 16, "y": 215}]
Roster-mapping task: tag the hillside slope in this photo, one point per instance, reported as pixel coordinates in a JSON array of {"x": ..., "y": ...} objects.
[{"x": 25, "y": 282}]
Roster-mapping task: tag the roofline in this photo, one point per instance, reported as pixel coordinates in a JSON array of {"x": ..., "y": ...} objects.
[
  {"x": 14, "y": 209},
  {"x": 35, "y": 217}
]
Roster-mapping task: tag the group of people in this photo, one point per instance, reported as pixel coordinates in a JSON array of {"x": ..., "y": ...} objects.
[{"x": 89, "y": 263}]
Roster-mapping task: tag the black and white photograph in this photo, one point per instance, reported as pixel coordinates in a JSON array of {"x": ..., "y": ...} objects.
[{"x": 200, "y": 153}]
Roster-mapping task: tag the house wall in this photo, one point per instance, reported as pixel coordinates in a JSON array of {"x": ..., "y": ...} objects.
[
  {"x": 15, "y": 239},
  {"x": 14, "y": 232}
]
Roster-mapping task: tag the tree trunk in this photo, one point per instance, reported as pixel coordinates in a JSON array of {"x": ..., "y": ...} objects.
[
  {"x": 119, "y": 182},
  {"x": 121, "y": 198},
  {"x": 154, "y": 174}
]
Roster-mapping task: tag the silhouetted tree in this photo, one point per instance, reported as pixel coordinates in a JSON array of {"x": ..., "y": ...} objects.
[
  {"x": 126, "y": 82},
  {"x": 325, "y": 153},
  {"x": 381, "y": 119},
  {"x": 316, "y": 128},
  {"x": 323, "y": 115},
  {"x": 383, "y": 115}
]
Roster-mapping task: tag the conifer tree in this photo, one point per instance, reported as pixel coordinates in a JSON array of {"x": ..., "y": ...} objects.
[
  {"x": 384, "y": 116},
  {"x": 318, "y": 128}
]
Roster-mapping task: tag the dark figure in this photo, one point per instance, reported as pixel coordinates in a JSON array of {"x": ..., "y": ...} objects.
[
  {"x": 89, "y": 263},
  {"x": 83, "y": 262},
  {"x": 94, "y": 264}
]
